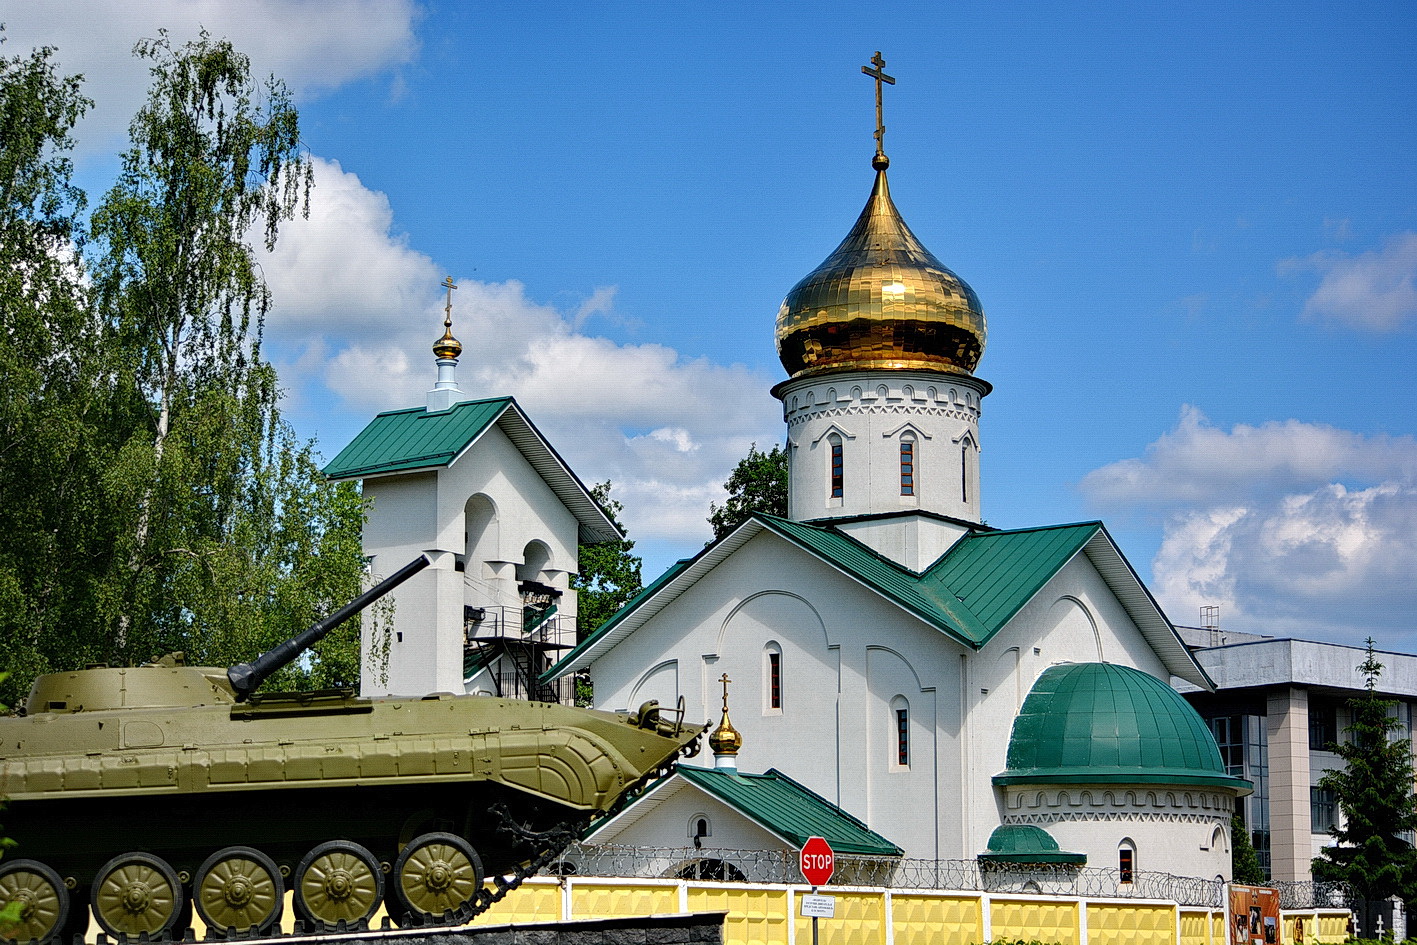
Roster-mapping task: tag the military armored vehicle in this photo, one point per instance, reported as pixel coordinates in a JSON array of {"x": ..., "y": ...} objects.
[{"x": 138, "y": 794}]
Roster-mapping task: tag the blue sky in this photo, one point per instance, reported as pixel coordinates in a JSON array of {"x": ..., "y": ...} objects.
[{"x": 1193, "y": 231}]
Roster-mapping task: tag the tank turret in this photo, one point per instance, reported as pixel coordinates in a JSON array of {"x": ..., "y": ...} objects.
[
  {"x": 168, "y": 682},
  {"x": 138, "y": 794}
]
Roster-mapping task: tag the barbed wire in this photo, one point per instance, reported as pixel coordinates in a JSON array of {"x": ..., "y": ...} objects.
[{"x": 781, "y": 866}]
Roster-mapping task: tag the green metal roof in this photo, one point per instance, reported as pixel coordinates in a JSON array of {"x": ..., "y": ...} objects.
[
  {"x": 997, "y": 573},
  {"x": 969, "y": 594},
  {"x": 1098, "y": 723},
  {"x": 403, "y": 440},
  {"x": 994, "y": 574},
  {"x": 790, "y": 810},
  {"x": 1026, "y": 843}
]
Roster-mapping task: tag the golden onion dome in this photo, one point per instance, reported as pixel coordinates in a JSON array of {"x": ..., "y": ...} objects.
[
  {"x": 725, "y": 740},
  {"x": 447, "y": 347},
  {"x": 880, "y": 301}
]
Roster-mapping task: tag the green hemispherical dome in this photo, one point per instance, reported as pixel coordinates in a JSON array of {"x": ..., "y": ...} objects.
[{"x": 1098, "y": 723}]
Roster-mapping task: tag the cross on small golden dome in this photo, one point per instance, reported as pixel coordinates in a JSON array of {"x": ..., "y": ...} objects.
[{"x": 447, "y": 347}]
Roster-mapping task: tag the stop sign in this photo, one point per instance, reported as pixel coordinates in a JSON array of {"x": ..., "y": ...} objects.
[{"x": 817, "y": 861}]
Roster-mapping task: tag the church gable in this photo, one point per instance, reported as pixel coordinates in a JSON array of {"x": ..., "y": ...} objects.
[{"x": 399, "y": 442}]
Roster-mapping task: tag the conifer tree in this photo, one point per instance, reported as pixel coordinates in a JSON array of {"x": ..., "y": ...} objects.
[{"x": 1375, "y": 792}]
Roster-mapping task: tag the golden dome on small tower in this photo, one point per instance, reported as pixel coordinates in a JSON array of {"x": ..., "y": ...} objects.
[
  {"x": 447, "y": 347},
  {"x": 725, "y": 740},
  {"x": 880, "y": 301}
]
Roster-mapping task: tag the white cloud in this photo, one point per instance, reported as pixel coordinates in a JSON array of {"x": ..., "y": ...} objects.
[
  {"x": 1291, "y": 527},
  {"x": 314, "y": 45},
  {"x": 357, "y": 311},
  {"x": 1376, "y": 291}
]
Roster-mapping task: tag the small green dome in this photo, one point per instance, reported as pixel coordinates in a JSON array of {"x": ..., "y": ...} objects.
[
  {"x": 1097, "y": 723},
  {"x": 1025, "y": 843}
]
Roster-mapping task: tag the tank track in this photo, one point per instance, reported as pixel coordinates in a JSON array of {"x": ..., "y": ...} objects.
[{"x": 551, "y": 842}]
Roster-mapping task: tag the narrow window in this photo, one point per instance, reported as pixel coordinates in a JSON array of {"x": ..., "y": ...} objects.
[
  {"x": 1125, "y": 864},
  {"x": 902, "y": 737},
  {"x": 907, "y": 467},
  {"x": 774, "y": 680},
  {"x": 964, "y": 473},
  {"x": 838, "y": 477}
]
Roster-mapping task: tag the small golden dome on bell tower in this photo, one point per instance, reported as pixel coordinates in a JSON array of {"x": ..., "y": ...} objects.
[{"x": 448, "y": 347}]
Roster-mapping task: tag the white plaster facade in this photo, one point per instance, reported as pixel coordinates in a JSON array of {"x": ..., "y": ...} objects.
[
  {"x": 500, "y": 521},
  {"x": 850, "y": 659},
  {"x": 869, "y": 415}
]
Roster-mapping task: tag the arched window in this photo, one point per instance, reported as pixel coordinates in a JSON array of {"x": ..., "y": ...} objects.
[
  {"x": 1126, "y": 861},
  {"x": 907, "y": 465},
  {"x": 772, "y": 677},
  {"x": 838, "y": 467},
  {"x": 964, "y": 472},
  {"x": 900, "y": 728},
  {"x": 699, "y": 828}
]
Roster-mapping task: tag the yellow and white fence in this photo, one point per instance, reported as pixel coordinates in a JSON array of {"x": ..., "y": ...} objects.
[{"x": 767, "y": 914}]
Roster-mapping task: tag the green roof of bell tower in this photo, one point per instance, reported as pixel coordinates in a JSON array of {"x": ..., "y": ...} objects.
[{"x": 1098, "y": 723}]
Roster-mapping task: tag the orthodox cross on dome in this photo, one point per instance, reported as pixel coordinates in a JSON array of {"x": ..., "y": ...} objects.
[
  {"x": 879, "y": 74},
  {"x": 725, "y": 680},
  {"x": 448, "y": 309}
]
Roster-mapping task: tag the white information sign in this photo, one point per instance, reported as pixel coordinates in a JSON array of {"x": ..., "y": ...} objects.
[{"x": 818, "y": 907}]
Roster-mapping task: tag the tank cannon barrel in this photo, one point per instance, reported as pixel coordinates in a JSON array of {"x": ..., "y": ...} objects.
[{"x": 246, "y": 677}]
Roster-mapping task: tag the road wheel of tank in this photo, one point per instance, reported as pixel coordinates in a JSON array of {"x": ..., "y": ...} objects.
[
  {"x": 44, "y": 900},
  {"x": 437, "y": 873},
  {"x": 239, "y": 888},
  {"x": 136, "y": 893},
  {"x": 338, "y": 881}
]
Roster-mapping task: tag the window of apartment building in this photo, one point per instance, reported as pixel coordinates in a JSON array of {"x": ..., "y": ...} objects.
[
  {"x": 1323, "y": 723},
  {"x": 1323, "y": 809}
]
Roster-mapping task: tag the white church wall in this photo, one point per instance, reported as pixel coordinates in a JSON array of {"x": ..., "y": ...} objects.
[
  {"x": 832, "y": 731},
  {"x": 893, "y": 787},
  {"x": 402, "y": 516},
  {"x": 527, "y": 511},
  {"x": 428, "y": 512},
  {"x": 915, "y": 541},
  {"x": 1073, "y": 618},
  {"x": 869, "y": 413},
  {"x": 1184, "y": 831},
  {"x": 671, "y": 823}
]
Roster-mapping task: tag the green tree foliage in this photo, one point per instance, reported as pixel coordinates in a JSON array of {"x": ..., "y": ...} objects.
[
  {"x": 48, "y": 410},
  {"x": 173, "y": 508},
  {"x": 609, "y": 572},
  {"x": 757, "y": 484},
  {"x": 1374, "y": 791},
  {"x": 1244, "y": 861}
]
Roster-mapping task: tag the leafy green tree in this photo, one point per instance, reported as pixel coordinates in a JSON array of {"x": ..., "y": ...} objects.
[
  {"x": 152, "y": 497},
  {"x": 49, "y": 450},
  {"x": 1375, "y": 792},
  {"x": 184, "y": 303},
  {"x": 610, "y": 573},
  {"x": 1244, "y": 861},
  {"x": 757, "y": 484}
]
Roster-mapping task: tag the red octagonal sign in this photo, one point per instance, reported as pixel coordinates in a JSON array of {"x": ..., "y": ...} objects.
[{"x": 817, "y": 861}]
